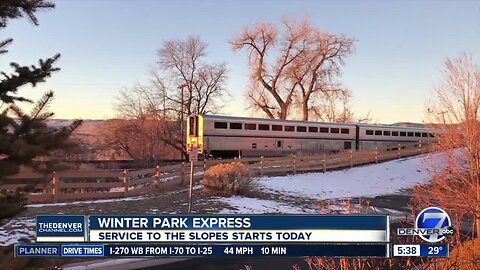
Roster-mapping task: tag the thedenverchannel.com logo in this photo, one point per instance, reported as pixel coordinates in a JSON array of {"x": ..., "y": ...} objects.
[{"x": 432, "y": 225}]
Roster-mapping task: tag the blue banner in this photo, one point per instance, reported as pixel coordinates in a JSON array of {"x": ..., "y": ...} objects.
[
  {"x": 82, "y": 250},
  {"x": 239, "y": 222},
  {"x": 434, "y": 250},
  {"x": 37, "y": 250},
  {"x": 247, "y": 250},
  {"x": 202, "y": 250}
]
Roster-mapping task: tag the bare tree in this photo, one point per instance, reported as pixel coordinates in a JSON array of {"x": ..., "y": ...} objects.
[
  {"x": 296, "y": 61},
  {"x": 316, "y": 71},
  {"x": 455, "y": 113},
  {"x": 181, "y": 83},
  {"x": 187, "y": 85},
  {"x": 139, "y": 132},
  {"x": 180, "y": 66},
  {"x": 335, "y": 106},
  {"x": 332, "y": 106},
  {"x": 270, "y": 75}
]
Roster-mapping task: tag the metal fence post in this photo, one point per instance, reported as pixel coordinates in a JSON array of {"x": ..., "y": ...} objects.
[
  {"x": 376, "y": 154},
  {"x": 125, "y": 182},
  {"x": 190, "y": 188},
  {"x": 399, "y": 151}
]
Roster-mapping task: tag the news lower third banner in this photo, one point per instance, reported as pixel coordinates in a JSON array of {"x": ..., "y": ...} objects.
[
  {"x": 209, "y": 235},
  {"x": 215, "y": 229},
  {"x": 200, "y": 250}
]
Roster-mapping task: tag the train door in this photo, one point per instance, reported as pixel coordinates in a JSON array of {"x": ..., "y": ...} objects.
[{"x": 278, "y": 144}]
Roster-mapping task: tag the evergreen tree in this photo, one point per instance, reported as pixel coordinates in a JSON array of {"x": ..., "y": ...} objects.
[{"x": 26, "y": 136}]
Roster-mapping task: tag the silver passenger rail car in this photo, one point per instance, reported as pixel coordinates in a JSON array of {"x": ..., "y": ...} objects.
[{"x": 230, "y": 136}]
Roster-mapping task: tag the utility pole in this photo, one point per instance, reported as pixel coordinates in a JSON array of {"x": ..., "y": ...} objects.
[{"x": 182, "y": 112}]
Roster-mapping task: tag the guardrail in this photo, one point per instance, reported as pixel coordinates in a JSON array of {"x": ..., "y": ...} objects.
[{"x": 79, "y": 185}]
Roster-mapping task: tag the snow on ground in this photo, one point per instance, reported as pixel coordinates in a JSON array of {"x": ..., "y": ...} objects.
[
  {"x": 88, "y": 202},
  {"x": 244, "y": 205},
  {"x": 17, "y": 229},
  {"x": 366, "y": 181}
]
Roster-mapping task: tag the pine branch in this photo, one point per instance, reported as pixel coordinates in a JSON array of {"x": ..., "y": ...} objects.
[
  {"x": 44, "y": 116},
  {"x": 4, "y": 44},
  {"x": 42, "y": 105},
  {"x": 24, "y": 75},
  {"x": 17, "y": 111},
  {"x": 12, "y": 9}
]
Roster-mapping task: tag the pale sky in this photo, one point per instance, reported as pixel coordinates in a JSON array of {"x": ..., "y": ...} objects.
[{"x": 107, "y": 45}]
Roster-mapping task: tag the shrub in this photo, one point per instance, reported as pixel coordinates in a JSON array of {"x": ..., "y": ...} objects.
[
  {"x": 228, "y": 179},
  {"x": 465, "y": 256},
  {"x": 11, "y": 203}
]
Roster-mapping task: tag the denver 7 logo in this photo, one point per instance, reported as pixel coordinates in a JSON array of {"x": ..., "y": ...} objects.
[{"x": 435, "y": 222}]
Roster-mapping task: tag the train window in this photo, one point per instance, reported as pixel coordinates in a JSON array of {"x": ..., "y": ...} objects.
[
  {"x": 410, "y": 134},
  {"x": 222, "y": 125},
  {"x": 312, "y": 129},
  {"x": 378, "y": 132},
  {"x": 424, "y": 134},
  {"x": 345, "y": 131},
  {"x": 386, "y": 133},
  {"x": 289, "y": 128},
  {"x": 235, "y": 125},
  {"x": 301, "y": 129},
  {"x": 431, "y": 135},
  {"x": 417, "y": 134},
  {"x": 250, "y": 126},
  {"x": 193, "y": 128},
  {"x": 324, "y": 130},
  {"x": 277, "y": 127},
  {"x": 403, "y": 134},
  {"x": 369, "y": 132},
  {"x": 394, "y": 133},
  {"x": 334, "y": 130},
  {"x": 263, "y": 127}
]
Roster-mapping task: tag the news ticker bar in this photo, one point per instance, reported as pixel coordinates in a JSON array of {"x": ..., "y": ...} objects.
[
  {"x": 201, "y": 250},
  {"x": 215, "y": 228},
  {"x": 421, "y": 250}
]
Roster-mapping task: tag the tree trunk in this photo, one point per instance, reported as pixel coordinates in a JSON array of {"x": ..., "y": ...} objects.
[
  {"x": 283, "y": 112},
  {"x": 304, "y": 111}
]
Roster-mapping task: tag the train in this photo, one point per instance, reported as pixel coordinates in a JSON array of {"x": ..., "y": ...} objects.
[{"x": 219, "y": 136}]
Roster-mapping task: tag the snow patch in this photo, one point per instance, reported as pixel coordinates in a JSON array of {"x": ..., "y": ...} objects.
[
  {"x": 88, "y": 202},
  {"x": 367, "y": 181},
  {"x": 244, "y": 205},
  {"x": 17, "y": 229}
]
